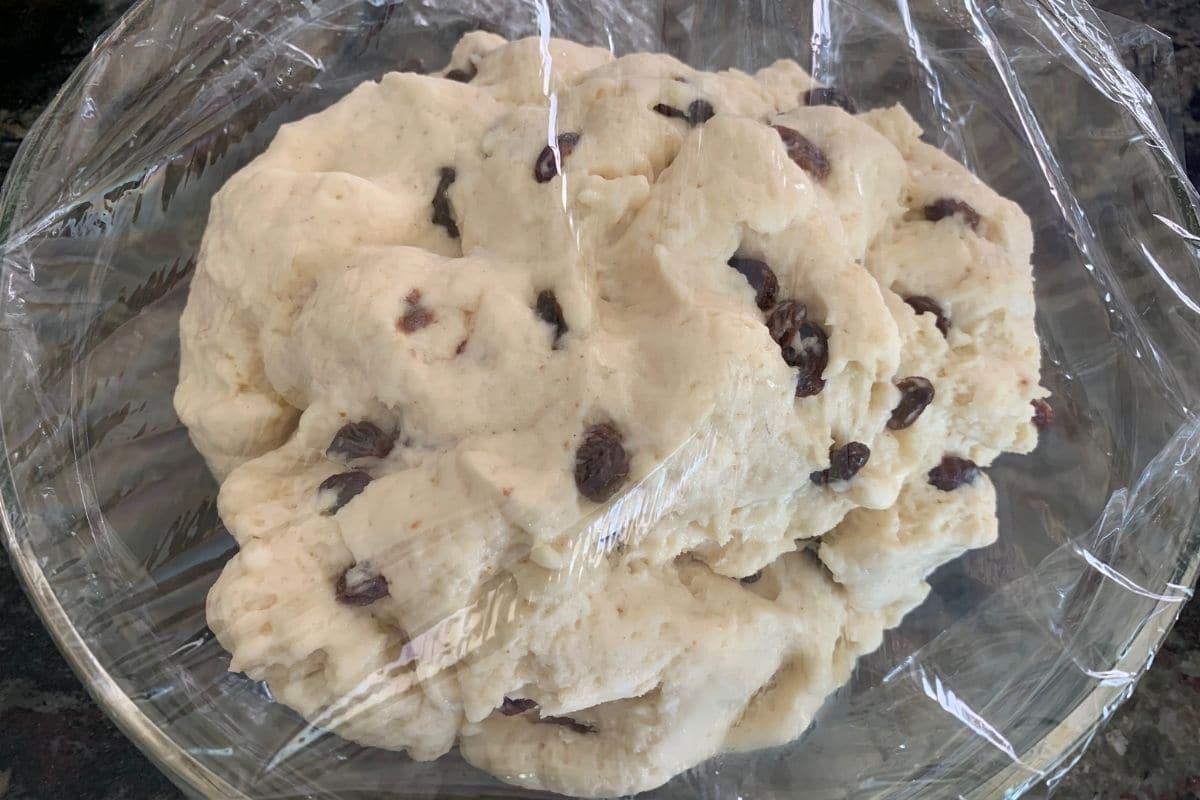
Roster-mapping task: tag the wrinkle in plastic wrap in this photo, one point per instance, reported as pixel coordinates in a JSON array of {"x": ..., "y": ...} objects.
[{"x": 992, "y": 686}]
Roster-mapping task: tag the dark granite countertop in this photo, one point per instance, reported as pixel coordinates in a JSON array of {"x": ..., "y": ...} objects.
[{"x": 55, "y": 744}]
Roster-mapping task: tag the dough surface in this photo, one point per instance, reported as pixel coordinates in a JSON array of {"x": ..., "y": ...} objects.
[{"x": 423, "y": 311}]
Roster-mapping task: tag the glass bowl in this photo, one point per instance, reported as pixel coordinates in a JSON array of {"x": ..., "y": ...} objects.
[{"x": 993, "y": 685}]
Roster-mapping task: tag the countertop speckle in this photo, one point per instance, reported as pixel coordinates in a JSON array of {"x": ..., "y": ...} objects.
[{"x": 55, "y": 744}]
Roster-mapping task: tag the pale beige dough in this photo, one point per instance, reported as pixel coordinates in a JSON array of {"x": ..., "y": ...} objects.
[{"x": 626, "y": 617}]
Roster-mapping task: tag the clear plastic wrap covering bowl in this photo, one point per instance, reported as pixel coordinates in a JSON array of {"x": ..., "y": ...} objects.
[{"x": 994, "y": 685}]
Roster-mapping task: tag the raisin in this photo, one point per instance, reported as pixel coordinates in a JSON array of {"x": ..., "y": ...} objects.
[
  {"x": 829, "y": 96},
  {"x": 802, "y": 344},
  {"x": 699, "y": 112},
  {"x": 846, "y": 461},
  {"x": 360, "y": 440},
  {"x": 952, "y": 473},
  {"x": 550, "y": 312},
  {"x": 463, "y": 75},
  {"x": 809, "y": 383},
  {"x": 412, "y": 65},
  {"x": 761, "y": 278},
  {"x": 669, "y": 111},
  {"x": 785, "y": 319},
  {"x": 927, "y": 305},
  {"x": 811, "y": 354},
  {"x": 1043, "y": 414},
  {"x": 567, "y": 722},
  {"x": 916, "y": 393},
  {"x": 601, "y": 463},
  {"x": 546, "y": 166},
  {"x": 807, "y": 155},
  {"x": 416, "y": 316},
  {"x": 948, "y": 207},
  {"x": 360, "y": 590},
  {"x": 443, "y": 213},
  {"x": 512, "y": 706},
  {"x": 750, "y": 579},
  {"x": 348, "y": 485}
]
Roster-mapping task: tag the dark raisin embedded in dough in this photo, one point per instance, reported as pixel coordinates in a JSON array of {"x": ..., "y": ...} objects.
[
  {"x": 785, "y": 320},
  {"x": 669, "y": 111},
  {"x": 567, "y": 722},
  {"x": 463, "y": 75},
  {"x": 416, "y": 316},
  {"x": 807, "y": 155},
  {"x": 546, "y": 166},
  {"x": 952, "y": 473},
  {"x": 749, "y": 579},
  {"x": 1043, "y": 414},
  {"x": 355, "y": 587},
  {"x": 601, "y": 463},
  {"x": 916, "y": 393},
  {"x": 846, "y": 461},
  {"x": 810, "y": 352},
  {"x": 550, "y": 312},
  {"x": 948, "y": 207},
  {"x": 512, "y": 706},
  {"x": 360, "y": 440},
  {"x": 829, "y": 96},
  {"x": 761, "y": 278},
  {"x": 699, "y": 112},
  {"x": 443, "y": 213},
  {"x": 809, "y": 382},
  {"x": 348, "y": 485},
  {"x": 927, "y": 305}
]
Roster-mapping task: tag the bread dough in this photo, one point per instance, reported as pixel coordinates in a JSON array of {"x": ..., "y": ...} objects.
[{"x": 488, "y": 272}]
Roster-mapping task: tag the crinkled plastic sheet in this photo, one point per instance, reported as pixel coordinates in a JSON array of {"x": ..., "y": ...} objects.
[{"x": 994, "y": 685}]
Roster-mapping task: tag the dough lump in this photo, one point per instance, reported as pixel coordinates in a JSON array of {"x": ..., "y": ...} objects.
[{"x": 602, "y": 435}]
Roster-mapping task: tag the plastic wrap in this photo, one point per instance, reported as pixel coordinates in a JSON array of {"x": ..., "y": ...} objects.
[{"x": 995, "y": 684}]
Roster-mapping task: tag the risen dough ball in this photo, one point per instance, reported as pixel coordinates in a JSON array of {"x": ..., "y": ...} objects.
[{"x": 523, "y": 410}]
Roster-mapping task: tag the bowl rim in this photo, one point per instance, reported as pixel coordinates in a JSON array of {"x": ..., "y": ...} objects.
[
  {"x": 164, "y": 752},
  {"x": 1045, "y": 760}
]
